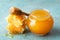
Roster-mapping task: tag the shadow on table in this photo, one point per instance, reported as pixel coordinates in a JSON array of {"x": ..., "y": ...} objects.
[{"x": 54, "y": 32}]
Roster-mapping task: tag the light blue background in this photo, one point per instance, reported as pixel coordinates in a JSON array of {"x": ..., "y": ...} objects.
[{"x": 27, "y": 5}]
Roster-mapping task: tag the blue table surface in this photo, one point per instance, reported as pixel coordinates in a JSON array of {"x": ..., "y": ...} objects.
[{"x": 27, "y": 6}]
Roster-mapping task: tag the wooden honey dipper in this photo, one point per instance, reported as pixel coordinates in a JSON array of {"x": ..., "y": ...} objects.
[{"x": 14, "y": 10}]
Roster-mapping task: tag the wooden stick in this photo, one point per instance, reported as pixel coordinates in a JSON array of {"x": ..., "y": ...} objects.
[{"x": 17, "y": 11}]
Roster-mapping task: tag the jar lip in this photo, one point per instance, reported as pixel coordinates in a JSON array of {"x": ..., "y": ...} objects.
[{"x": 45, "y": 18}]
